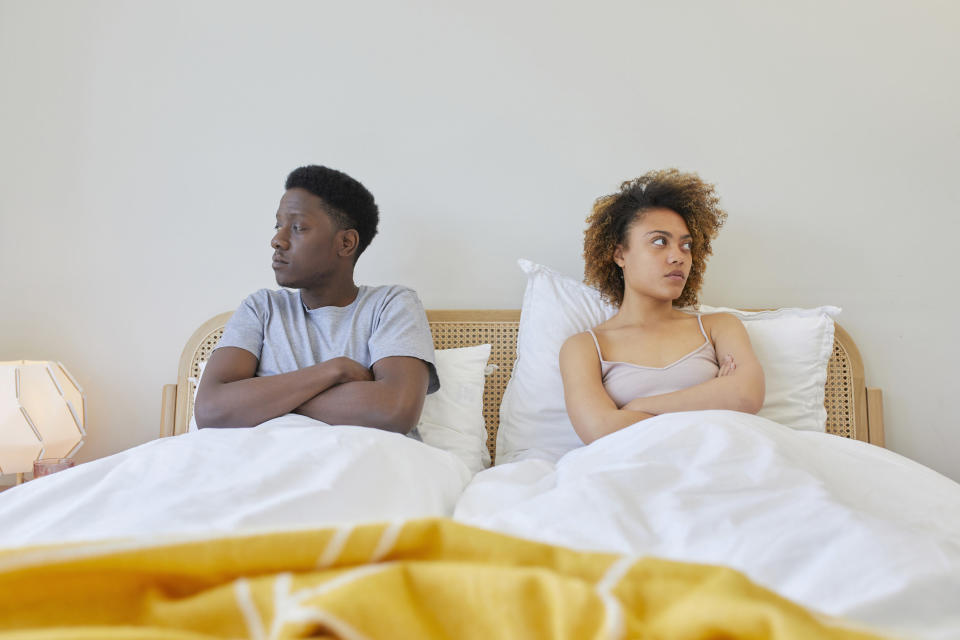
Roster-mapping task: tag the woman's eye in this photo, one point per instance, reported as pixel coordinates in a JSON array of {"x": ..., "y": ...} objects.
[
  {"x": 297, "y": 228},
  {"x": 276, "y": 227},
  {"x": 688, "y": 246},
  {"x": 661, "y": 241}
]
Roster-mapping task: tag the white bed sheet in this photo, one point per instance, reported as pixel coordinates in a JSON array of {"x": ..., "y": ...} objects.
[
  {"x": 846, "y": 528},
  {"x": 286, "y": 473}
]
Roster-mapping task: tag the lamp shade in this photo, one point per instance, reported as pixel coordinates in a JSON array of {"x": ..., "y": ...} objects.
[{"x": 41, "y": 414}]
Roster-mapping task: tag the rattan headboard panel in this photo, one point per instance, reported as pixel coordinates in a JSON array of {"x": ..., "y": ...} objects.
[
  {"x": 203, "y": 351},
  {"x": 843, "y": 392},
  {"x": 838, "y": 394}
]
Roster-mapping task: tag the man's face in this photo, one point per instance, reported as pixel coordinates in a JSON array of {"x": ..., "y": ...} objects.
[{"x": 308, "y": 245}]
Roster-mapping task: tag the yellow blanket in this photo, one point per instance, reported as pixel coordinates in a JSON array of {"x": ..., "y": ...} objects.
[{"x": 419, "y": 579}]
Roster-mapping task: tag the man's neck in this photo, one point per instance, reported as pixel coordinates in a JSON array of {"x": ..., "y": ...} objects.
[{"x": 338, "y": 295}]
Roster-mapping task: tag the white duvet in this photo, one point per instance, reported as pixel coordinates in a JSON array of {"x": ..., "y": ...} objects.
[
  {"x": 290, "y": 472},
  {"x": 843, "y": 527}
]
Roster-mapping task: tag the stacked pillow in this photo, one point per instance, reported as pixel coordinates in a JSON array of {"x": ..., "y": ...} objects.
[
  {"x": 452, "y": 417},
  {"x": 533, "y": 417},
  {"x": 793, "y": 346}
]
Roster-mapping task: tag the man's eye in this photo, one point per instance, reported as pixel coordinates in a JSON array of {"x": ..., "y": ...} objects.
[{"x": 297, "y": 228}]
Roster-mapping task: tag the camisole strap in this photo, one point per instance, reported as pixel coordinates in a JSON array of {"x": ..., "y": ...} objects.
[
  {"x": 594, "y": 336},
  {"x": 700, "y": 320}
]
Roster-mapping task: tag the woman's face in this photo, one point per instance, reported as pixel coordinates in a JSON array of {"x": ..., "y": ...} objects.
[{"x": 656, "y": 256}]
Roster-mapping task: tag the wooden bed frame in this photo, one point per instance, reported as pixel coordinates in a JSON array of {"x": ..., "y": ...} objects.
[{"x": 853, "y": 409}]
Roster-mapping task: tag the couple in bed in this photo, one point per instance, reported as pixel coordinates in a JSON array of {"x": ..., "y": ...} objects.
[{"x": 348, "y": 354}]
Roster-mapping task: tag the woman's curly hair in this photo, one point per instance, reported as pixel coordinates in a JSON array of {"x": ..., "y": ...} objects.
[{"x": 608, "y": 224}]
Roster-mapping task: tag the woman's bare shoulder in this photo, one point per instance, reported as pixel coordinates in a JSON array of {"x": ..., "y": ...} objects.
[
  {"x": 719, "y": 316},
  {"x": 578, "y": 350},
  {"x": 578, "y": 341},
  {"x": 721, "y": 322}
]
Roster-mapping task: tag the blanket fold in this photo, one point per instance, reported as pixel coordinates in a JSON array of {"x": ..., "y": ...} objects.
[{"x": 428, "y": 578}]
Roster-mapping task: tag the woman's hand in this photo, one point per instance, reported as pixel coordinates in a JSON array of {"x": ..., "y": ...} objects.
[
  {"x": 739, "y": 384},
  {"x": 727, "y": 367}
]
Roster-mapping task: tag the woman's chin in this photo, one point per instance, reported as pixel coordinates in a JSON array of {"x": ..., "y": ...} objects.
[{"x": 667, "y": 297}]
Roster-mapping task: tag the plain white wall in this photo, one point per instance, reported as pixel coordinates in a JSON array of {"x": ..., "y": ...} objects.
[{"x": 145, "y": 144}]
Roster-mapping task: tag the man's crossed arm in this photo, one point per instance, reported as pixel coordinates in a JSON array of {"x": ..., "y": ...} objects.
[{"x": 336, "y": 391}]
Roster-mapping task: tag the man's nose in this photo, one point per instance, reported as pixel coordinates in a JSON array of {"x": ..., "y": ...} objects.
[{"x": 279, "y": 240}]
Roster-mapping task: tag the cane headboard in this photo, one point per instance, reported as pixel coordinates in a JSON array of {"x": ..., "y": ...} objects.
[{"x": 853, "y": 410}]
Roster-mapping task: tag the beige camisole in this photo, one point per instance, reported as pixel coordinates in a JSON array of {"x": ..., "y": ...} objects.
[{"x": 624, "y": 381}]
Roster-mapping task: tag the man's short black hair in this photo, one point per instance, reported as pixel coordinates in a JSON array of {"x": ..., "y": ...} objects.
[{"x": 348, "y": 202}]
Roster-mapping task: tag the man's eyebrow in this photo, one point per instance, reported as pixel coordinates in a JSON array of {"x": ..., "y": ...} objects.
[
  {"x": 290, "y": 214},
  {"x": 667, "y": 233}
]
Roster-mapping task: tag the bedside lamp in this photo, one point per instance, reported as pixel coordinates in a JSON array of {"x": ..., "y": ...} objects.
[{"x": 41, "y": 414}]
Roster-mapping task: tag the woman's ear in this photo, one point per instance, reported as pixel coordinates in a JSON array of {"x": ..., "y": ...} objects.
[
  {"x": 348, "y": 240},
  {"x": 618, "y": 255}
]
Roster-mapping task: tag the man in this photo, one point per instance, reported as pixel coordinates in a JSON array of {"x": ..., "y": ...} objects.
[{"x": 331, "y": 350}]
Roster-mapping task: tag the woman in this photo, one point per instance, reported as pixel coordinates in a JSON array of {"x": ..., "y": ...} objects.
[{"x": 645, "y": 250}]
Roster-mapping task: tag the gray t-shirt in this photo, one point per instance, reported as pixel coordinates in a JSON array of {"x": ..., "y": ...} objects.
[{"x": 285, "y": 336}]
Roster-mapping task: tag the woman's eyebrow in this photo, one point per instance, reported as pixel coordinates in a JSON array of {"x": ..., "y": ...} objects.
[{"x": 668, "y": 234}]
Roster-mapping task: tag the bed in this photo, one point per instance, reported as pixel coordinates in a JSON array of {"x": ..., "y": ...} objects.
[{"x": 688, "y": 525}]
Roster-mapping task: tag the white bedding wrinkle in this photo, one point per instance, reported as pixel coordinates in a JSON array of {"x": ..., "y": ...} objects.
[
  {"x": 290, "y": 472},
  {"x": 844, "y": 527}
]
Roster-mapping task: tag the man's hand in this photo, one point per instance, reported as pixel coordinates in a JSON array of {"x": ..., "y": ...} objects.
[
  {"x": 350, "y": 370},
  {"x": 391, "y": 400},
  {"x": 231, "y": 395}
]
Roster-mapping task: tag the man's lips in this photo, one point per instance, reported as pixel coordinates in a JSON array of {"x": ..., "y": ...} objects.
[{"x": 278, "y": 262}]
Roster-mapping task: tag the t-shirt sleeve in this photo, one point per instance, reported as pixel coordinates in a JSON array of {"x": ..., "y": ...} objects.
[
  {"x": 244, "y": 329},
  {"x": 402, "y": 330}
]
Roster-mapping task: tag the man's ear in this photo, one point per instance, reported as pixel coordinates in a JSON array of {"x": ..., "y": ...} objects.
[{"x": 348, "y": 241}]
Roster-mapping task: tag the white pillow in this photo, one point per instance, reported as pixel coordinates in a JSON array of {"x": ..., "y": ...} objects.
[
  {"x": 452, "y": 417},
  {"x": 533, "y": 418},
  {"x": 793, "y": 346}
]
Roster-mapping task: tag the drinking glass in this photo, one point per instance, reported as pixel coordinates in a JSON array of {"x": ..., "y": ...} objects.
[{"x": 46, "y": 466}]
